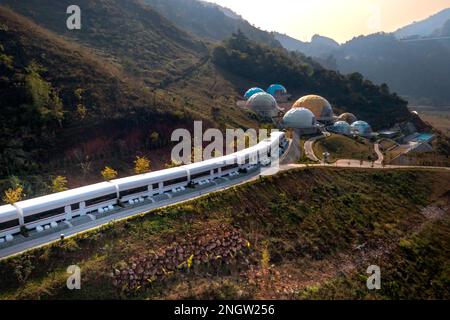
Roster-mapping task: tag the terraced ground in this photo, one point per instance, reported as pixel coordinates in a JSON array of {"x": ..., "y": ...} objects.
[{"x": 308, "y": 233}]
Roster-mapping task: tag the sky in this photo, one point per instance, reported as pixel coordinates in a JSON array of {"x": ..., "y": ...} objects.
[{"x": 339, "y": 19}]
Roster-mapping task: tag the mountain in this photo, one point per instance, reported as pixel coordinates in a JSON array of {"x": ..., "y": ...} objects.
[
  {"x": 60, "y": 98},
  {"x": 416, "y": 69},
  {"x": 319, "y": 47},
  {"x": 134, "y": 35},
  {"x": 444, "y": 31},
  {"x": 425, "y": 27},
  {"x": 95, "y": 96},
  {"x": 415, "y": 66},
  {"x": 209, "y": 21}
]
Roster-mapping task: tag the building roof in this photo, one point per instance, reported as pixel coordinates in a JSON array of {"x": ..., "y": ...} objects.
[
  {"x": 276, "y": 89},
  {"x": 264, "y": 104},
  {"x": 250, "y": 92},
  {"x": 316, "y": 104},
  {"x": 362, "y": 127},
  {"x": 348, "y": 117},
  {"x": 299, "y": 118}
]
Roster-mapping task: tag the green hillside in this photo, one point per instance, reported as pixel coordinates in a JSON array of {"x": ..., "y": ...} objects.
[
  {"x": 56, "y": 95},
  {"x": 127, "y": 32},
  {"x": 209, "y": 21},
  {"x": 303, "y": 233}
]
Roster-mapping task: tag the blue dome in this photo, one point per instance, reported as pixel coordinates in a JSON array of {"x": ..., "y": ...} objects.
[
  {"x": 341, "y": 127},
  {"x": 362, "y": 128},
  {"x": 251, "y": 92},
  {"x": 276, "y": 90}
]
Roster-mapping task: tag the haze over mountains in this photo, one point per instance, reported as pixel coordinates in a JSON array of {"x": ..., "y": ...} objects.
[
  {"x": 416, "y": 69},
  {"x": 425, "y": 28}
]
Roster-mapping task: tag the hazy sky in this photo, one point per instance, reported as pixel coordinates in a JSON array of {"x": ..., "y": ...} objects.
[{"x": 339, "y": 19}]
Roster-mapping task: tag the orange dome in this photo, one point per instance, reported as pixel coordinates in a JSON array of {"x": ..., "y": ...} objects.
[{"x": 319, "y": 106}]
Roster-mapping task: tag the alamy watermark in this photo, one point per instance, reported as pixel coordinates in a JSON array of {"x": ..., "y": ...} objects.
[
  {"x": 74, "y": 280},
  {"x": 374, "y": 280},
  {"x": 73, "y": 22},
  {"x": 190, "y": 148}
]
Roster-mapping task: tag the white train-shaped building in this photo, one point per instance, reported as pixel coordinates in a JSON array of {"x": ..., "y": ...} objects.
[{"x": 106, "y": 196}]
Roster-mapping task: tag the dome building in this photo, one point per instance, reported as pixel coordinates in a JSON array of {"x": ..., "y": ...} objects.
[
  {"x": 361, "y": 128},
  {"x": 279, "y": 92},
  {"x": 341, "y": 127},
  {"x": 319, "y": 106},
  {"x": 250, "y": 92},
  {"x": 263, "y": 104},
  {"x": 300, "y": 119},
  {"x": 348, "y": 117}
]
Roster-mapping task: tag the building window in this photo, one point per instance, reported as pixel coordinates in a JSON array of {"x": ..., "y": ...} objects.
[
  {"x": 133, "y": 191},
  {"x": 9, "y": 224},
  {"x": 200, "y": 175},
  {"x": 175, "y": 181},
  {"x": 44, "y": 215},
  {"x": 94, "y": 201}
]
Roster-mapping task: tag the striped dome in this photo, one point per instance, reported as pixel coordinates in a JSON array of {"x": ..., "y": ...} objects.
[
  {"x": 263, "y": 104},
  {"x": 317, "y": 105}
]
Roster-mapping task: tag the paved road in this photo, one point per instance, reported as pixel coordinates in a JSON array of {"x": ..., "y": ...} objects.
[
  {"x": 309, "y": 151},
  {"x": 293, "y": 153},
  {"x": 379, "y": 154}
]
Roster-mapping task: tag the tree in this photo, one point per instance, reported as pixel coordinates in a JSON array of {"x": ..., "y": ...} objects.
[
  {"x": 141, "y": 165},
  {"x": 59, "y": 184},
  {"x": 109, "y": 173},
  {"x": 81, "y": 111},
  {"x": 13, "y": 195}
]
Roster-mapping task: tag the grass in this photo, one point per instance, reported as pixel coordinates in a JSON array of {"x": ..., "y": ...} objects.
[
  {"x": 342, "y": 147},
  {"x": 298, "y": 221}
]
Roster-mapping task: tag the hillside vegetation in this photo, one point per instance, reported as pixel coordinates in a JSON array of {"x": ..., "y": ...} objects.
[
  {"x": 300, "y": 234},
  {"x": 342, "y": 147},
  {"x": 209, "y": 21},
  {"x": 57, "y": 95}
]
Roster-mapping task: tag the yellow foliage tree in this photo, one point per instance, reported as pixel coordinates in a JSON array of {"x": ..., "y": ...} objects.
[
  {"x": 13, "y": 195},
  {"x": 172, "y": 164},
  {"x": 59, "y": 184},
  {"x": 109, "y": 173},
  {"x": 141, "y": 165}
]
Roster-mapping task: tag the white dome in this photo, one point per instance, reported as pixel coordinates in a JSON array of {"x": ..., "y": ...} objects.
[
  {"x": 263, "y": 104},
  {"x": 299, "y": 118}
]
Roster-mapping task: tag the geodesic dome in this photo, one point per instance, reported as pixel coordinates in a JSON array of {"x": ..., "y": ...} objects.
[
  {"x": 263, "y": 104},
  {"x": 316, "y": 104},
  {"x": 361, "y": 128},
  {"x": 347, "y": 117},
  {"x": 299, "y": 118},
  {"x": 341, "y": 127},
  {"x": 250, "y": 92},
  {"x": 276, "y": 90}
]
